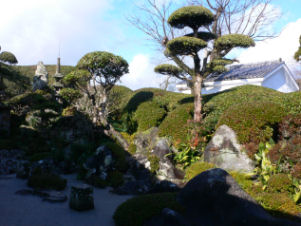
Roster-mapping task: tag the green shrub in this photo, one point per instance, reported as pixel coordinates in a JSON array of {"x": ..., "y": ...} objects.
[
  {"x": 280, "y": 183},
  {"x": 42, "y": 180},
  {"x": 115, "y": 179},
  {"x": 197, "y": 168},
  {"x": 136, "y": 211},
  {"x": 176, "y": 123},
  {"x": 154, "y": 163},
  {"x": 119, "y": 156},
  {"x": 149, "y": 114},
  {"x": 278, "y": 204},
  {"x": 253, "y": 121}
]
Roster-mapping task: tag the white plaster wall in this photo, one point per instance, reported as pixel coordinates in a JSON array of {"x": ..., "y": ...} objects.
[
  {"x": 278, "y": 81},
  {"x": 215, "y": 89}
]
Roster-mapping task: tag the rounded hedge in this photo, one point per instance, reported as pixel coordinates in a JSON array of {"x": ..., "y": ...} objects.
[
  {"x": 253, "y": 121},
  {"x": 191, "y": 16},
  {"x": 185, "y": 45},
  {"x": 149, "y": 114},
  {"x": 168, "y": 69},
  {"x": 233, "y": 40},
  {"x": 176, "y": 123},
  {"x": 136, "y": 211},
  {"x": 8, "y": 57}
]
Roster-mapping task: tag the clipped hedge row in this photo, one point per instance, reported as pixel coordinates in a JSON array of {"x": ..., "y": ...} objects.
[
  {"x": 253, "y": 121},
  {"x": 176, "y": 124}
]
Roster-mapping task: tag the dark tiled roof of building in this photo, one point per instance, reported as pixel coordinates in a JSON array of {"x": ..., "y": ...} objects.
[{"x": 245, "y": 71}]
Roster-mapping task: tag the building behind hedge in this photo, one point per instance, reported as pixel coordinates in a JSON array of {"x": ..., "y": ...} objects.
[{"x": 275, "y": 75}]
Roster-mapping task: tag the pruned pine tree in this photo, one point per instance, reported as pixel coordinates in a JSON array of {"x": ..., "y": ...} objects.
[
  {"x": 96, "y": 74},
  {"x": 212, "y": 59}
]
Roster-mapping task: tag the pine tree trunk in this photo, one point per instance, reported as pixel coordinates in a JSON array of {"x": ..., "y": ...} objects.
[
  {"x": 101, "y": 111},
  {"x": 197, "y": 86}
]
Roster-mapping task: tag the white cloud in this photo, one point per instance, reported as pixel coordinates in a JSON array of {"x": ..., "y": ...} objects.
[
  {"x": 141, "y": 74},
  {"x": 284, "y": 46},
  {"x": 33, "y": 29}
]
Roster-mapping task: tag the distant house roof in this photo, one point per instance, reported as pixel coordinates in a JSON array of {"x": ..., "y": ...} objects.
[{"x": 245, "y": 71}]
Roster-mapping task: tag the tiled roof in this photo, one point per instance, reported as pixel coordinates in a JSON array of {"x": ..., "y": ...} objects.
[{"x": 245, "y": 71}]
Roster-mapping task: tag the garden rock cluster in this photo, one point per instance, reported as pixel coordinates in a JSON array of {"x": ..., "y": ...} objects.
[
  {"x": 150, "y": 167},
  {"x": 225, "y": 152}
]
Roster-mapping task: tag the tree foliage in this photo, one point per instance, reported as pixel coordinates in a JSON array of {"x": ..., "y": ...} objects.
[
  {"x": 298, "y": 53},
  {"x": 191, "y": 16},
  {"x": 8, "y": 57},
  {"x": 199, "y": 19},
  {"x": 105, "y": 68},
  {"x": 96, "y": 74}
]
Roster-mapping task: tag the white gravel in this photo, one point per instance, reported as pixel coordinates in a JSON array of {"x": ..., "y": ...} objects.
[{"x": 20, "y": 210}]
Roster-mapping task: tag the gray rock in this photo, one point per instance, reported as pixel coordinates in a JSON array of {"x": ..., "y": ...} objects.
[
  {"x": 40, "y": 79},
  {"x": 100, "y": 163},
  {"x": 214, "y": 198},
  {"x": 225, "y": 152}
]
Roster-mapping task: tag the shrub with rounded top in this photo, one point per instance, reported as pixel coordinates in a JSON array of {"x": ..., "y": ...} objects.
[
  {"x": 8, "y": 57},
  {"x": 136, "y": 211},
  {"x": 176, "y": 123},
  {"x": 253, "y": 121},
  {"x": 230, "y": 41},
  {"x": 191, "y": 16},
  {"x": 149, "y": 114},
  {"x": 185, "y": 45}
]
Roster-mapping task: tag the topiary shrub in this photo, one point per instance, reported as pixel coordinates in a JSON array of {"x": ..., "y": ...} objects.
[
  {"x": 43, "y": 180},
  {"x": 136, "y": 211},
  {"x": 253, "y": 121},
  {"x": 176, "y": 123},
  {"x": 149, "y": 114}
]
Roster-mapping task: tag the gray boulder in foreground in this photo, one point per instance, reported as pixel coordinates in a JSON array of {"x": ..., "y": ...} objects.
[
  {"x": 214, "y": 198},
  {"x": 225, "y": 152}
]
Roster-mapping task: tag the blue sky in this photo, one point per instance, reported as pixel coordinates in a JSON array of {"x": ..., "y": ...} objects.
[{"x": 34, "y": 29}]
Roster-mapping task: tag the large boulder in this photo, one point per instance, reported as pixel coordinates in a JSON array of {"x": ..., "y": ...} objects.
[
  {"x": 214, "y": 198},
  {"x": 225, "y": 152}
]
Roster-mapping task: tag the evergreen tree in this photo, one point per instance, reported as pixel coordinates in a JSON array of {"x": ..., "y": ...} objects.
[{"x": 198, "y": 18}]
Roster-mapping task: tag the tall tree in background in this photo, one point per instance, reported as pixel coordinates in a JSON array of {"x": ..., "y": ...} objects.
[
  {"x": 198, "y": 18},
  {"x": 230, "y": 24},
  {"x": 96, "y": 74}
]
